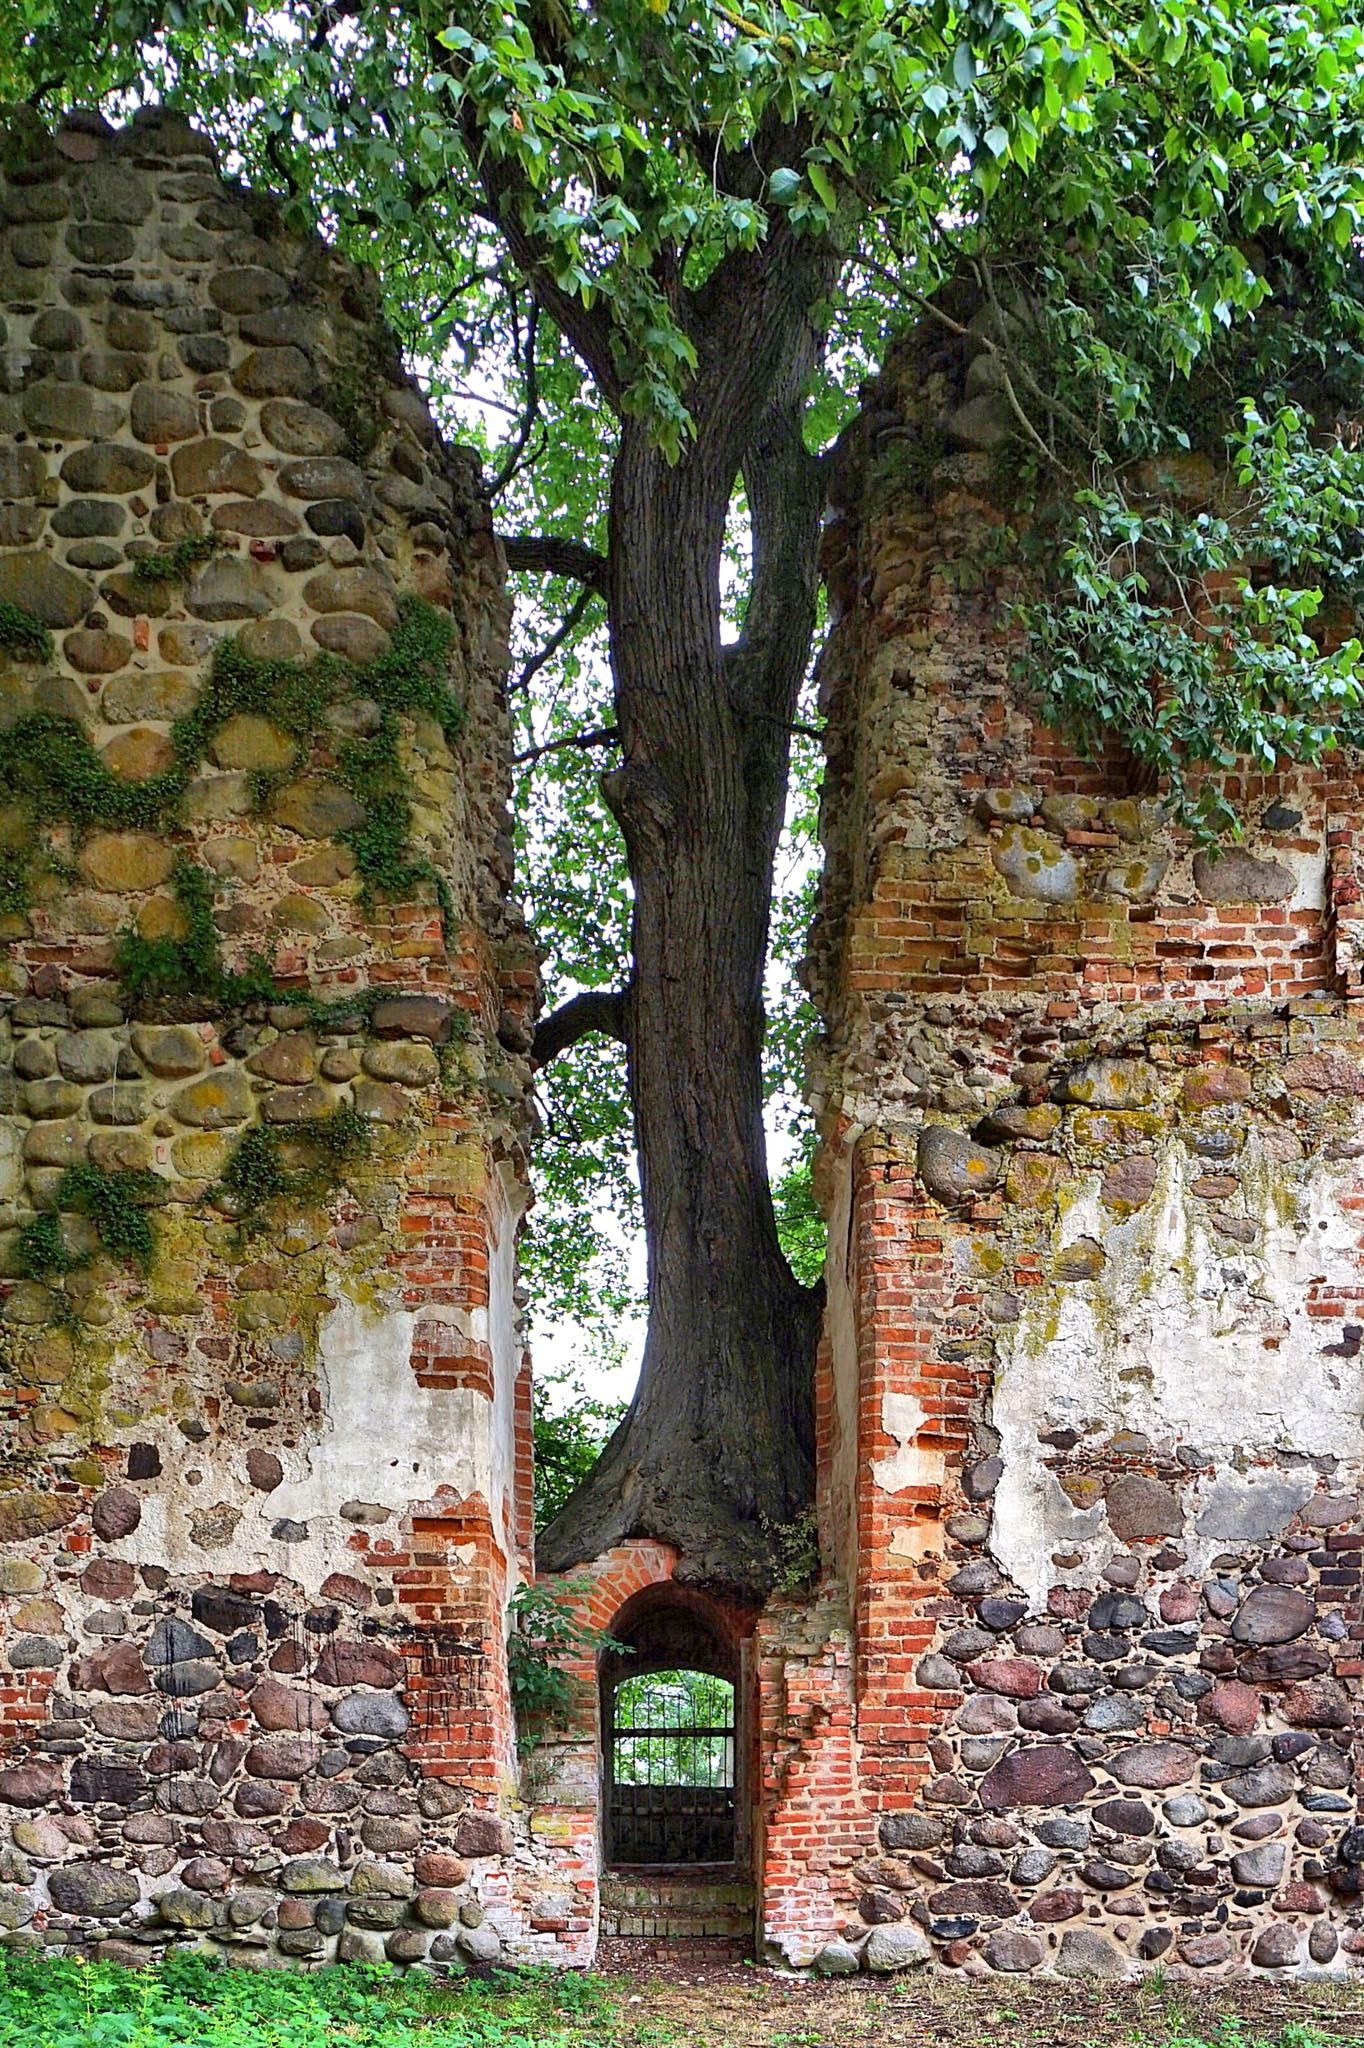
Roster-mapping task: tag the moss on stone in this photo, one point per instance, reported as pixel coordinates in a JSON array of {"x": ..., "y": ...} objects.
[
  {"x": 22, "y": 635},
  {"x": 257, "y": 1172},
  {"x": 174, "y": 564},
  {"x": 51, "y": 771}
]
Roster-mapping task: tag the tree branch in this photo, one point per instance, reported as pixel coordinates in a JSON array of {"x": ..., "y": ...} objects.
[
  {"x": 529, "y": 416},
  {"x": 599, "y": 736},
  {"x": 597, "y": 1009},
  {"x": 556, "y": 639},
  {"x": 556, "y": 555}
]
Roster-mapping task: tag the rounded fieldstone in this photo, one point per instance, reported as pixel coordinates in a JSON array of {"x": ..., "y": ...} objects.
[
  {"x": 953, "y": 1167},
  {"x": 115, "y": 1514},
  {"x": 211, "y": 468},
  {"x": 276, "y": 373},
  {"x": 1235, "y": 876},
  {"x": 1084, "y": 1952},
  {"x": 1013, "y": 1951},
  {"x": 301, "y": 429},
  {"x": 1273, "y": 1614},
  {"x": 93, "y": 1890},
  {"x": 836, "y": 1959},
  {"x": 1042, "y": 1774},
  {"x": 381, "y": 1714},
  {"x": 40, "y": 586},
  {"x": 888, "y": 1950},
  {"x": 159, "y": 415},
  {"x": 1153, "y": 1766},
  {"x": 1278, "y": 1948}
]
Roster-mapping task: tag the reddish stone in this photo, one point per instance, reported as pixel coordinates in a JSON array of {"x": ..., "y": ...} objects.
[
  {"x": 1317, "y": 1703},
  {"x": 115, "y": 1514},
  {"x": 1015, "y": 1677},
  {"x": 1179, "y": 1602},
  {"x": 350, "y": 1592},
  {"x": 1044, "y": 1774},
  {"x": 1232, "y": 1706},
  {"x": 116, "y": 1669},
  {"x": 480, "y": 1834},
  {"x": 281, "y": 1708},
  {"x": 343, "y": 1663},
  {"x": 1153, "y": 1766},
  {"x": 436, "y": 1867},
  {"x": 109, "y": 1578},
  {"x": 1069, "y": 1603},
  {"x": 301, "y": 1836},
  {"x": 1061, "y": 1904},
  {"x": 973, "y": 1901}
]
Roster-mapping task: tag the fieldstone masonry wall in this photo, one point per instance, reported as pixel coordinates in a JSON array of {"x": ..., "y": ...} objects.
[
  {"x": 1091, "y": 1396},
  {"x": 264, "y": 1006}
]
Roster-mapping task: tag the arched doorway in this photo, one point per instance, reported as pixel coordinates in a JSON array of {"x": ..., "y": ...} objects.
[
  {"x": 670, "y": 1769},
  {"x": 673, "y": 1738}
]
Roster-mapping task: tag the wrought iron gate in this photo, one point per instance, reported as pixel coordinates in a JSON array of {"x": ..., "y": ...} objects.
[{"x": 670, "y": 1760}]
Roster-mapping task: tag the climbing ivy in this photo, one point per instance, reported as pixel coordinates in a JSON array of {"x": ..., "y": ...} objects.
[
  {"x": 173, "y": 564},
  {"x": 52, "y": 772},
  {"x": 116, "y": 1203},
  {"x": 257, "y": 1171},
  {"x": 22, "y": 635}
]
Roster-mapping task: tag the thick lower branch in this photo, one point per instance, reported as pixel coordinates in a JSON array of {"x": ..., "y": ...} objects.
[
  {"x": 597, "y": 1009},
  {"x": 556, "y": 555}
]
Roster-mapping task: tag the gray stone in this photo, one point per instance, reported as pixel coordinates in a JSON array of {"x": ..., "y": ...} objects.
[
  {"x": 181, "y": 1907},
  {"x": 275, "y": 373},
  {"x": 1273, "y": 1614},
  {"x": 1035, "y": 865},
  {"x": 953, "y": 1167},
  {"x": 482, "y": 1944},
  {"x": 226, "y": 588},
  {"x": 382, "y": 1714},
  {"x": 93, "y": 1890},
  {"x": 160, "y": 415},
  {"x": 1252, "y": 1510},
  {"x": 888, "y": 1950},
  {"x": 1260, "y": 1868},
  {"x": 42, "y": 587},
  {"x": 1234, "y": 876},
  {"x": 1270, "y": 1785},
  {"x": 1013, "y": 1950},
  {"x": 1084, "y": 1952},
  {"x": 836, "y": 1959}
]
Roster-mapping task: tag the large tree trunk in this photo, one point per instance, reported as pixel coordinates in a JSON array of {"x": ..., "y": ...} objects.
[{"x": 717, "y": 1446}]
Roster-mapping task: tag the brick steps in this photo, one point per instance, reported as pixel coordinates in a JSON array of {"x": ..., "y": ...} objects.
[{"x": 707, "y": 1903}]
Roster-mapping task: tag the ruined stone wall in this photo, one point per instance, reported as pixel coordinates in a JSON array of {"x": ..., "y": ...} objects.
[
  {"x": 1091, "y": 1395},
  {"x": 264, "y": 1005}
]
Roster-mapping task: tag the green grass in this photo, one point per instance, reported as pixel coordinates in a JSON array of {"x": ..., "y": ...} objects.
[{"x": 188, "y": 2002}]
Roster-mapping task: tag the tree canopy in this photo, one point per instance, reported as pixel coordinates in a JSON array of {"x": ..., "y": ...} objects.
[{"x": 644, "y": 251}]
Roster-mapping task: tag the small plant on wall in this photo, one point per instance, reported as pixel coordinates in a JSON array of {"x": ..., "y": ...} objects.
[{"x": 546, "y": 1631}]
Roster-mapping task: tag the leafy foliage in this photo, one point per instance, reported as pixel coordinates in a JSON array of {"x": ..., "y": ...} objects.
[
  {"x": 554, "y": 198},
  {"x": 1211, "y": 636},
  {"x": 173, "y": 564},
  {"x": 682, "y": 1703},
  {"x": 569, "y": 1434},
  {"x": 116, "y": 1203},
  {"x": 51, "y": 771},
  {"x": 546, "y": 1632},
  {"x": 301, "y": 1163},
  {"x": 21, "y": 635},
  {"x": 51, "y": 2001}
]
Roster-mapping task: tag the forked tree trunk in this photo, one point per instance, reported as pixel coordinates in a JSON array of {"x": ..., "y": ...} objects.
[{"x": 717, "y": 1446}]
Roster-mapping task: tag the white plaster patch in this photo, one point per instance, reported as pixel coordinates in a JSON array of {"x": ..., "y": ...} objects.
[
  {"x": 1185, "y": 1339},
  {"x": 381, "y": 1438},
  {"x": 902, "y": 1417}
]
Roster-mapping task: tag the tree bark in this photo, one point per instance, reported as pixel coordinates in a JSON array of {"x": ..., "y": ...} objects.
[{"x": 717, "y": 1446}]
